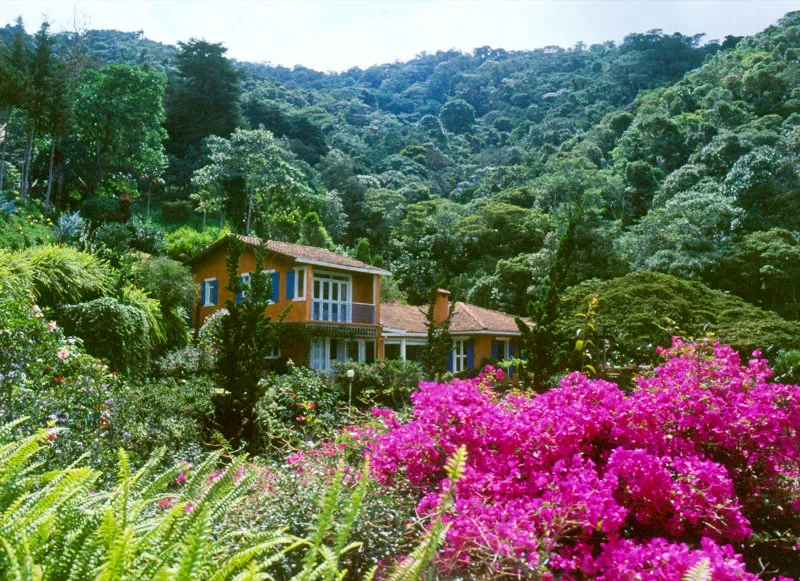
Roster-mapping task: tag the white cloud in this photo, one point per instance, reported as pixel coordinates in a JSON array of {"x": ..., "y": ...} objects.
[{"x": 336, "y": 35}]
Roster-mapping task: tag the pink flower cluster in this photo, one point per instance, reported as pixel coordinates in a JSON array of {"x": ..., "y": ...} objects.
[{"x": 586, "y": 480}]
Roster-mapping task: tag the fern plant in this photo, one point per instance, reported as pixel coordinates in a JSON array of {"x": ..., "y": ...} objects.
[
  {"x": 55, "y": 526},
  {"x": 153, "y": 523}
]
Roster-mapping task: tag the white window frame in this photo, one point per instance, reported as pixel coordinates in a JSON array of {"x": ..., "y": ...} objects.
[
  {"x": 275, "y": 354},
  {"x": 338, "y": 278},
  {"x": 268, "y": 272},
  {"x": 459, "y": 355},
  {"x": 326, "y": 349},
  {"x": 505, "y": 349},
  {"x": 300, "y": 273},
  {"x": 207, "y": 292}
]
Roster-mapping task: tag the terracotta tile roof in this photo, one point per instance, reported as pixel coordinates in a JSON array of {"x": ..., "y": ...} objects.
[
  {"x": 301, "y": 253},
  {"x": 473, "y": 318},
  {"x": 466, "y": 318},
  {"x": 406, "y": 318}
]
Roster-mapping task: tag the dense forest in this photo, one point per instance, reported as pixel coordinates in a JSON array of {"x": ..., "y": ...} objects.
[
  {"x": 682, "y": 149},
  {"x": 636, "y": 201}
]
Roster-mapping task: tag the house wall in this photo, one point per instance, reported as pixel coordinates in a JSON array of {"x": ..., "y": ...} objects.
[{"x": 213, "y": 266}]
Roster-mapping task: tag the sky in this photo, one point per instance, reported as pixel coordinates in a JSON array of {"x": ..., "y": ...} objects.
[{"x": 334, "y": 35}]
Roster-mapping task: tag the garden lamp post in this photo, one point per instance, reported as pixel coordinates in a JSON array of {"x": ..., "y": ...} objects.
[{"x": 351, "y": 373}]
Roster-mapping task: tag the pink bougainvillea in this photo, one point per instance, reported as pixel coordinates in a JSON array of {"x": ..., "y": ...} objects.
[{"x": 588, "y": 480}]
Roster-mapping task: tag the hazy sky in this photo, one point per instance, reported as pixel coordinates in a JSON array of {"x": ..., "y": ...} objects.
[{"x": 336, "y": 35}]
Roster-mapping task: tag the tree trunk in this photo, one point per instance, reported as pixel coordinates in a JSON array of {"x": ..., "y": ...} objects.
[
  {"x": 149, "y": 195},
  {"x": 60, "y": 178},
  {"x": 26, "y": 167},
  {"x": 50, "y": 172},
  {"x": 249, "y": 213},
  {"x": 3, "y": 153}
]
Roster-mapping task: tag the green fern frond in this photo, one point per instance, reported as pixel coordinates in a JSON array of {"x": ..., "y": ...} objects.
[{"x": 701, "y": 571}]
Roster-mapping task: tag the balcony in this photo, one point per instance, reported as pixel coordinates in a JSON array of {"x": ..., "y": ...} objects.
[{"x": 342, "y": 312}]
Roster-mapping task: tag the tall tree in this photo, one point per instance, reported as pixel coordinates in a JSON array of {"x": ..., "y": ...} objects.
[
  {"x": 540, "y": 341},
  {"x": 37, "y": 100},
  {"x": 13, "y": 72},
  {"x": 118, "y": 123},
  {"x": 266, "y": 191},
  {"x": 203, "y": 97}
]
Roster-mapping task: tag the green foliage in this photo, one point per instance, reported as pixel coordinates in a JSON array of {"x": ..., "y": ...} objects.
[
  {"x": 68, "y": 228},
  {"x": 264, "y": 190},
  {"x": 386, "y": 383},
  {"x": 640, "y": 311},
  {"x": 185, "y": 242},
  {"x": 312, "y": 232},
  {"x": 457, "y": 116},
  {"x": 203, "y": 97},
  {"x": 295, "y": 407},
  {"x": 112, "y": 330},
  {"x": 170, "y": 283},
  {"x": 58, "y": 526},
  {"x": 540, "y": 341},
  {"x": 61, "y": 274},
  {"x": 23, "y": 228},
  {"x": 115, "y": 237},
  {"x": 437, "y": 346},
  {"x": 147, "y": 237},
  {"x": 178, "y": 211},
  {"x": 244, "y": 334},
  {"x": 114, "y": 134}
]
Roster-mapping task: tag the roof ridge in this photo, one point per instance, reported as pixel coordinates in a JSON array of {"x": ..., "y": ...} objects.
[{"x": 471, "y": 314}]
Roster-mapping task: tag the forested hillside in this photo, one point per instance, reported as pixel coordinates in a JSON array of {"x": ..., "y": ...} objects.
[{"x": 453, "y": 169}]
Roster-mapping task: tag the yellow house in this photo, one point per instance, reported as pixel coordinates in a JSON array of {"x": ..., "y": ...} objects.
[
  {"x": 334, "y": 297},
  {"x": 335, "y": 301}
]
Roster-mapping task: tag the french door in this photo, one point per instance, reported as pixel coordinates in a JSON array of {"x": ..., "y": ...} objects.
[{"x": 331, "y": 299}]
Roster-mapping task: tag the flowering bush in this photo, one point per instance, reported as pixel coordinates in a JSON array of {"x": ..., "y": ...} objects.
[
  {"x": 49, "y": 378},
  {"x": 586, "y": 481}
]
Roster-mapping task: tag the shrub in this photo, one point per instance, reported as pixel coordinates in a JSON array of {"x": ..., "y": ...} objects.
[
  {"x": 639, "y": 311},
  {"x": 586, "y": 481},
  {"x": 296, "y": 407},
  {"x": 112, "y": 330},
  {"x": 114, "y": 236},
  {"x": 20, "y": 229},
  {"x": 147, "y": 237},
  {"x": 171, "y": 413},
  {"x": 68, "y": 228},
  {"x": 185, "y": 242},
  {"x": 102, "y": 210},
  {"x": 170, "y": 283},
  {"x": 184, "y": 363},
  {"x": 179, "y": 211},
  {"x": 61, "y": 274},
  {"x": 387, "y": 382}
]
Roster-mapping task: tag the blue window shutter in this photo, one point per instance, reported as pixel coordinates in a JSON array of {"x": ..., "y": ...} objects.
[
  {"x": 470, "y": 354},
  {"x": 450, "y": 359},
  {"x": 276, "y": 286},
  {"x": 496, "y": 350},
  {"x": 240, "y": 294},
  {"x": 512, "y": 354},
  {"x": 214, "y": 291},
  {"x": 290, "y": 284}
]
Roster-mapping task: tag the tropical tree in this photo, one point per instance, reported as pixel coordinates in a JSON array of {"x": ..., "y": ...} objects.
[
  {"x": 267, "y": 192},
  {"x": 203, "y": 97},
  {"x": 119, "y": 114}
]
